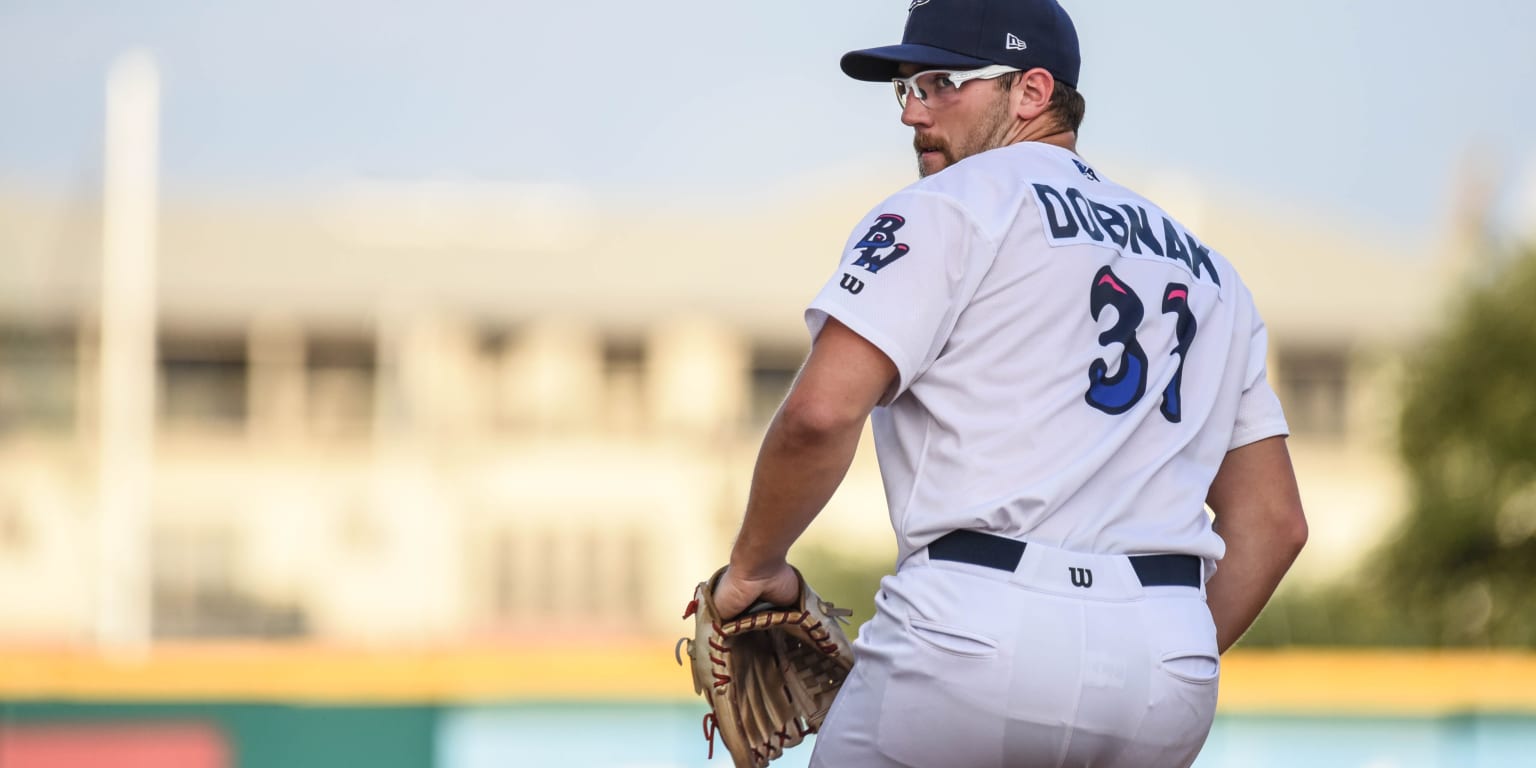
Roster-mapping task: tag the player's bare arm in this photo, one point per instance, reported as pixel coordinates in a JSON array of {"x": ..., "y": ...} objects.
[
  {"x": 805, "y": 454},
  {"x": 1259, "y": 516}
]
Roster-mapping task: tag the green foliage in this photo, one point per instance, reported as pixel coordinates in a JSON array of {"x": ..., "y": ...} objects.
[
  {"x": 848, "y": 581},
  {"x": 1464, "y": 563},
  {"x": 1336, "y": 615},
  {"x": 1461, "y": 570}
]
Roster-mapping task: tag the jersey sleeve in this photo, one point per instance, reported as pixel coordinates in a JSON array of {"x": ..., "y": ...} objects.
[
  {"x": 905, "y": 274},
  {"x": 1259, "y": 414}
]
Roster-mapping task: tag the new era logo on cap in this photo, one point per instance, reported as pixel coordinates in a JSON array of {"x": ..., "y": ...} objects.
[{"x": 971, "y": 34}]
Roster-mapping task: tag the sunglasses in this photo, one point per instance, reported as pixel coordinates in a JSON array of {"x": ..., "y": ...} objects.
[{"x": 935, "y": 87}]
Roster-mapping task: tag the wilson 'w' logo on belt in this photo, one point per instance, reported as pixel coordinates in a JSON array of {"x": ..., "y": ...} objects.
[{"x": 1081, "y": 577}]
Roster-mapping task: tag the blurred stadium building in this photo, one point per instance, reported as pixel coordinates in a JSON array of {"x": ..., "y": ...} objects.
[{"x": 412, "y": 412}]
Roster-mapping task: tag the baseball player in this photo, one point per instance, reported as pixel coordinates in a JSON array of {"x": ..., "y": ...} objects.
[{"x": 1062, "y": 377}]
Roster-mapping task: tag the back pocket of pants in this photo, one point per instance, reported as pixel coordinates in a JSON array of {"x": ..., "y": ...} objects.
[
  {"x": 1197, "y": 667},
  {"x": 952, "y": 640}
]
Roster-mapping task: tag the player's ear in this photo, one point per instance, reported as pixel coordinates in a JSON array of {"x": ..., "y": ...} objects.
[{"x": 1032, "y": 93}]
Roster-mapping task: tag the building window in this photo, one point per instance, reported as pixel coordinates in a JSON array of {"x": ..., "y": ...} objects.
[
  {"x": 194, "y": 592},
  {"x": 504, "y": 603},
  {"x": 634, "y": 589},
  {"x": 37, "y": 379},
  {"x": 773, "y": 371},
  {"x": 340, "y": 374},
  {"x": 537, "y": 576},
  {"x": 1314, "y": 387},
  {"x": 624, "y": 377},
  {"x": 510, "y": 573},
  {"x": 204, "y": 382}
]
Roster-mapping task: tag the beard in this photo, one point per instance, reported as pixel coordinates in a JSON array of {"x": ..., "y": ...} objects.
[
  {"x": 928, "y": 143},
  {"x": 988, "y": 131}
]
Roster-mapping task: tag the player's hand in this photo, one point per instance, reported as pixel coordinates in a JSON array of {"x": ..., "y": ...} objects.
[{"x": 739, "y": 590}]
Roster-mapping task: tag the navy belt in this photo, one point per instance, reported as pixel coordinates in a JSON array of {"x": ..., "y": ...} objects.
[{"x": 989, "y": 551}]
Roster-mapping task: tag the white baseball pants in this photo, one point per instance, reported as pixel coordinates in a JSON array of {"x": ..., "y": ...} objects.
[{"x": 967, "y": 666}]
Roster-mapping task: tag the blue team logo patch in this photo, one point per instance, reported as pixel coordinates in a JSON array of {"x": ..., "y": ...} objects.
[
  {"x": 881, "y": 237},
  {"x": 1085, "y": 170}
]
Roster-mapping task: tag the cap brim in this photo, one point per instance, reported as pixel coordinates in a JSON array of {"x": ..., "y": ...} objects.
[{"x": 880, "y": 64}]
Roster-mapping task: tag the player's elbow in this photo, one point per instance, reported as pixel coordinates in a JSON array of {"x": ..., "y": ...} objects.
[
  {"x": 1278, "y": 526},
  {"x": 807, "y": 419},
  {"x": 1286, "y": 529},
  {"x": 1293, "y": 531}
]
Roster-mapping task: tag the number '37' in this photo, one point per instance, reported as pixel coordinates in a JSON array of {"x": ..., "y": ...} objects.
[{"x": 1118, "y": 393}]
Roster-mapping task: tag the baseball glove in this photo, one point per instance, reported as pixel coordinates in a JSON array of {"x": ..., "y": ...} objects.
[{"x": 768, "y": 675}]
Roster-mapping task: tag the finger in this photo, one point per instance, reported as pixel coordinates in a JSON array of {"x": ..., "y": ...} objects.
[
  {"x": 731, "y": 600},
  {"x": 785, "y": 588}
]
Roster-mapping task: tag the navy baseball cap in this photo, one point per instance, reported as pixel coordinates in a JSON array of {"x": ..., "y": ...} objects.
[{"x": 970, "y": 34}]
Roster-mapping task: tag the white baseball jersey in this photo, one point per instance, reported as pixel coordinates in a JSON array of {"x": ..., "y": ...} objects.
[{"x": 1074, "y": 363}]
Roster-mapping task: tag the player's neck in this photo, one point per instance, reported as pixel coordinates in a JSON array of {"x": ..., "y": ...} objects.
[
  {"x": 1043, "y": 132},
  {"x": 1065, "y": 139}
]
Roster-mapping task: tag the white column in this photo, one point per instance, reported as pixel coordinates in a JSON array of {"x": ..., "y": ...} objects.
[
  {"x": 127, "y": 380},
  {"x": 697, "y": 375},
  {"x": 550, "y": 377}
]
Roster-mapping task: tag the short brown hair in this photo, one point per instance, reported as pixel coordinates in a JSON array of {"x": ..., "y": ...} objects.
[{"x": 1066, "y": 103}]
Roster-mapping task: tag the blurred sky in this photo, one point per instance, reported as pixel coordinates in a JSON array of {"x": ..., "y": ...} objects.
[{"x": 1364, "y": 109}]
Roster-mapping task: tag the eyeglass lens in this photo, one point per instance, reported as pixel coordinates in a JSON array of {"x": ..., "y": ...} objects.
[{"x": 926, "y": 86}]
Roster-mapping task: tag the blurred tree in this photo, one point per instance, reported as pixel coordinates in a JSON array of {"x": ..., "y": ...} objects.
[
  {"x": 1462, "y": 568},
  {"x": 847, "y": 581}
]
